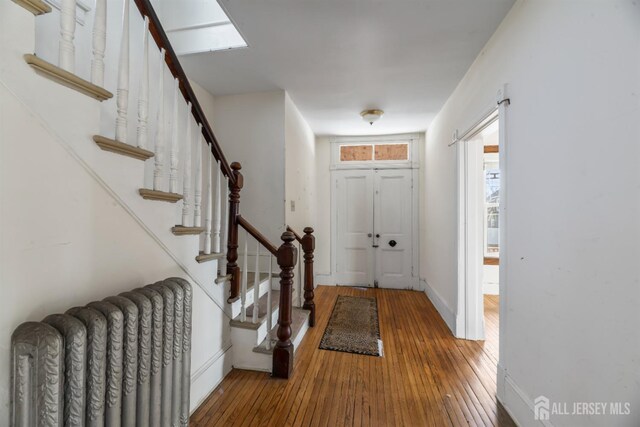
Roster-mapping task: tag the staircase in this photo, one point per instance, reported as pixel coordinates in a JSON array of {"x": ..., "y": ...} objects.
[{"x": 153, "y": 148}]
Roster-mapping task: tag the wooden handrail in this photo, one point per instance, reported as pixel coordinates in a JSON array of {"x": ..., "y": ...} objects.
[
  {"x": 159, "y": 35},
  {"x": 257, "y": 235},
  {"x": 297, "y": 236}
]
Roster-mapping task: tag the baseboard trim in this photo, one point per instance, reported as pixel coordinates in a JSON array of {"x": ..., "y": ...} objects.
[
  {"x": 445, "y": 312},
  {"x": 198, "y": 374},
  {"x": 325, "y": 279},
  {"x": 516, "y": 402}
]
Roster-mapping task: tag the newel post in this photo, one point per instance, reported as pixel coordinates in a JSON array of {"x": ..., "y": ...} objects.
[
  {"x": 283, "y": 351},
  {"x": 235, "y": 185},
  {"x": 308, "y": 246}
]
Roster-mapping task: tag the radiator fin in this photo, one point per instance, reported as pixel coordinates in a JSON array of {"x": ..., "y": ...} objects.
[{"x": 124, "y": 361}]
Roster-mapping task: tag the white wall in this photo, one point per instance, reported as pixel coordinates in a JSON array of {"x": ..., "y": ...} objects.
[
  {"x": 72, "y": 227},
  {"x": 572, "y": 245},
  {"x": 300, "y": 176},
  {"x": 322, "y": 255},
  {"x": 250, "y": 129}
]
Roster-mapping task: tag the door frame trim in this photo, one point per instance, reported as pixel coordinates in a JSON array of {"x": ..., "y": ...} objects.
[
  {"x": 413, "y": 140},
  {"x": 463, "y": 329}
]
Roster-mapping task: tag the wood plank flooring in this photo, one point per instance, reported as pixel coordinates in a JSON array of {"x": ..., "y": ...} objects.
[
  {"x": 491, "y": 325},
  {"x": 426, "y": 377}
]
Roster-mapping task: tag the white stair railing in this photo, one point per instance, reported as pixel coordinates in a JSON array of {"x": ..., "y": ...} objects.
[
  {"x": 122, "y": 93},
  {"x": 299, "y": 278},
  {"x": 197, "y": 202},
  {"x": 208, "y": 213},
  {"x": 143, "y": 96},
  {"x": 256, "y": 285},
  {"x": 67, "y": 49},
  {"x": 269, "y": 310},
  {"x": 222, "y": 262},
  {"x": 159, "y": 146},
  {"x": 245, "y": 278},
  {"x": 99, "y": 42},
  {"x": 173, "y": 164},
  {"x": 186, "y": 181},
  {"x": 217, "y": 209}
]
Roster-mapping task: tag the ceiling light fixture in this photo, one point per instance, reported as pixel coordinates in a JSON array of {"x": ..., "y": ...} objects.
[{"x": 371, "y": 116}]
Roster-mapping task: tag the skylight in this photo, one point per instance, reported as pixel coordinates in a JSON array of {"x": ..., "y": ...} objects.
[{"x": 196, "y": 26}]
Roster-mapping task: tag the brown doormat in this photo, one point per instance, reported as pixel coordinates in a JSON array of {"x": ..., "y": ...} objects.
[{"x": 353, "y": 327}]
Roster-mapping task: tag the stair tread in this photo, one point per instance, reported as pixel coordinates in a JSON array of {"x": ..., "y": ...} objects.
[
  {"x": 299, "y": 317},
  {"x": 118, "y": 147},
  {"x": 262, "y": 312},
  {"x": 181, "y": 230},
  {"x": 67, "y": 78},
  {"x": 202, "y": 257}
]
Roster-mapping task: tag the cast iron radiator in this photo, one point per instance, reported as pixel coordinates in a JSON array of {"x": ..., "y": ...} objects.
[{"x": 123, "y": 361}]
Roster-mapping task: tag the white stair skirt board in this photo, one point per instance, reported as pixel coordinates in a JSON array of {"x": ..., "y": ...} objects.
[{"x": 248, "y": 355}]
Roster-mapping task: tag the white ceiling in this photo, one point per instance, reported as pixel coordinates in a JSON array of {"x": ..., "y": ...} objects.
[{"x": 338, "y": 57}]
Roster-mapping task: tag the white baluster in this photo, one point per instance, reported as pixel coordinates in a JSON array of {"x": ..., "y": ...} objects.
[
  {"x": 256, "y": 285},
  {"x": 299, "y": 275},
  {"x": 122, "y": 94},
  {"x": 217, "y": 210},
  {"x": 222, "y": 262},
  {"x": 159, "y": 154},
  {"x": 143, "y": 98},
  {"x": 173, "y": 171},
  {"x": 67, "y": 53},
  {"x": 269, "y": 311},
  {"x": 207, "y": 218},
  {"x": 99, "y": 42},
  {"x": 245, "y": 278},
  {"x": 197, "y": 222},
  {"x": 186, "y": 184}
]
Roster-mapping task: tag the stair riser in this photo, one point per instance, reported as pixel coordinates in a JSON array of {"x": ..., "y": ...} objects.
[
  {"x": 237, "y": 305},
  {"x": 253, "y": 337}
]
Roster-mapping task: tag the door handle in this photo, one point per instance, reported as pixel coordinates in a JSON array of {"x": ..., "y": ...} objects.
[{"x": 374, "y": 246}]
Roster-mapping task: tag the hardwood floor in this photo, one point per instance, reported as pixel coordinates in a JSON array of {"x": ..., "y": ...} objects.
[
  {"x": 426, "y": 377},
  {"x": 491, "y": 325}
]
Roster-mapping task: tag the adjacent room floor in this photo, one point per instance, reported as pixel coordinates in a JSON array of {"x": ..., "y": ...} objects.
[{"x": 426, "y": 377}]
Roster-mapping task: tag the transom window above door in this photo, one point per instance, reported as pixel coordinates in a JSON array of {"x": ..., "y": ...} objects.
[{"x": 374, "y": 152}]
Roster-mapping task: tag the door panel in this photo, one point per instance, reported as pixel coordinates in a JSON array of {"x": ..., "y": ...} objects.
[
  {"x": 354, "y": 222},
  {"x": 393, "y": 212},
  {"x": 374, "y": 208}
]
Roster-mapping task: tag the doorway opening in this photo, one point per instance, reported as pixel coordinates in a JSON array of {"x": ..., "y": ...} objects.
[
  {"x": 479, "y": 215},
  {"x": 374, "y": 206}
]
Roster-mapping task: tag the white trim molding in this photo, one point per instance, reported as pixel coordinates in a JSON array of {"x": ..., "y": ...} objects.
[
  {"x": 412, "y": 139},
  {"x": 441, "y": 306},
  {"x": 516, "y": 402}
]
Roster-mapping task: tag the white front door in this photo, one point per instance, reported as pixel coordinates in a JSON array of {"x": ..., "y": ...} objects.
[
  {"x": 374, "y": 236},
  {"x": 354, "y": 251}
]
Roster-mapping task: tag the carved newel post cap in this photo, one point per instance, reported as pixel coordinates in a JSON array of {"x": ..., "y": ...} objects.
[
  {"x": 288, "y": 237},
  {"x": 236, "y": 166},
  {"x": 308, "y": 230}
]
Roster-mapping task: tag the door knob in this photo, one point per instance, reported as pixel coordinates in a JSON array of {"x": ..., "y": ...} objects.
[
  {"x": 377, "y": 236},
  {"x": 392, "y": 243}
]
